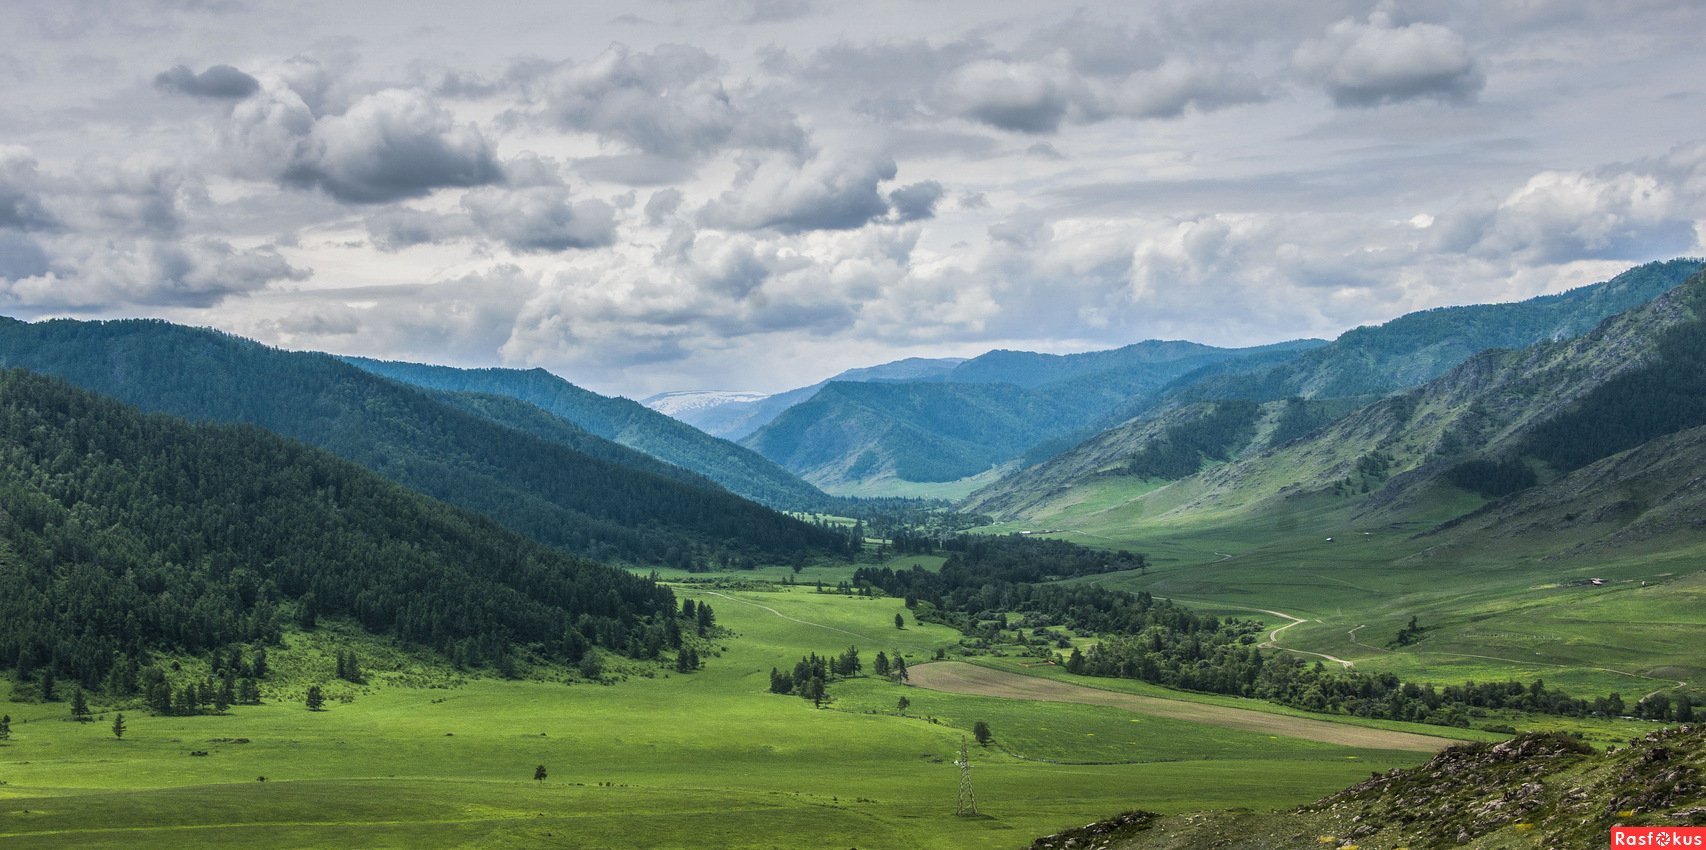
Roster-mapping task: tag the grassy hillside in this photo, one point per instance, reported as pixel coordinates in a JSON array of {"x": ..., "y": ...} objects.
[
  {"x": 623, "y": 421},
  {"x": 543, "y": 489},
  {"x": 1532, "y": 792},
  {"x": 1451, "y": 504}
]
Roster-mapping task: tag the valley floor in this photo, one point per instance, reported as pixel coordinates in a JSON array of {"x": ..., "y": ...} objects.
[{"x": 708, "y": 759}]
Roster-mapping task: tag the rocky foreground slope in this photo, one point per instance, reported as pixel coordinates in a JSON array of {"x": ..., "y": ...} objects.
[{"x": 1533, "y": 791}]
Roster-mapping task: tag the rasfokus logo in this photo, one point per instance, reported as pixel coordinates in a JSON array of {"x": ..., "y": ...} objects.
[{"x": 1658, "y": 836}]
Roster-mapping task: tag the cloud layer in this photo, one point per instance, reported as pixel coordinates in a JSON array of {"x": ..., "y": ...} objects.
[{"x": 753, "y": 195}]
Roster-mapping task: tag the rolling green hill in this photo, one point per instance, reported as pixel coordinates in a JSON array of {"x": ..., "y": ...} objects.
[
  {"x": 620, "y": 420},
  {"x": 123, "y": 534},
  {"x": 543, "y": 489}
]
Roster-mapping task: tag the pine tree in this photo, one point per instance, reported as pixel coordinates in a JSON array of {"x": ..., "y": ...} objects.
[
  {"x": 118, "y": 727},
  {"x": 897, "y": 669},
  {"x": 79, "y": 706},
  {"x": 899, "y": 620},
  {"x": 316, "y": 700},
  {"x": 980, "y": 731},
  {"x": 5, "y": 727},
  {"x": 882, "y": 664},
  {"x": 539, "y": 773}
]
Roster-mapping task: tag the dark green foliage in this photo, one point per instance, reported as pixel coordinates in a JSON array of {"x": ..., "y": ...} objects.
[
  {"x": 1302, "y": 417},
  {"x": 79, "y": 706},
  {"x": 980, "y": 731},
  {"x": 899, "y": 620},
  {"x": 123, "y": 533},
  {"x": 1662, "y": 397},
  {"x": 545, "y": 490},
  {"x": 1411, "y": 633},
  {"x": 1491, "y": 478},
  {"x": 624, "y": 421},
  {"x": 349, "y": 669},
  {"x": 539, "y": 773},
  {"x": 316, "y": 700},
  {"x": 1182, "y": 449},
  {"x": 119, "y": 726}
]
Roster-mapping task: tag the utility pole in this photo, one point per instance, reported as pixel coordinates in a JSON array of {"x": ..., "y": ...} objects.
[{"x": 968, "y": 799}]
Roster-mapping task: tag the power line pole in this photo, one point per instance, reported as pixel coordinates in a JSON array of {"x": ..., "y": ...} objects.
[{"x": 968, "y": 798}]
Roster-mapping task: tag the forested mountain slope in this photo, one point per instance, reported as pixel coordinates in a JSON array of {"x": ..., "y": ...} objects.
[
  {"x": 122, "y": 533},
  {"x": 623, "y": 421},
  {"x": 543, "y": 489},
  {"x": 943, "y": 430},
  {"x": 1362, "y": 364},
  {"x": 1501, "y": 423}
]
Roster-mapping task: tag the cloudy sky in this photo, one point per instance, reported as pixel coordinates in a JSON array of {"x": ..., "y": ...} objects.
[{"x": 753, "y": 194}]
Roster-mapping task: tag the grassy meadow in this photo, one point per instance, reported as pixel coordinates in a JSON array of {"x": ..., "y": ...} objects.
[
  {"x": 424, "y": 758},
  {"x": 1493, "y": 608}
]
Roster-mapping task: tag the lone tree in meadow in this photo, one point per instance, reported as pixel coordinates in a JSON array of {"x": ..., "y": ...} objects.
[
  {"x": 118, "y": 727},
  {"x": 5, "y": 727},
  {"x": 899, "y": 620},
  {"x": 902, "y": 704},
  {"x": 539, "y": 773},
  {"x": 79, "y": 706},
  {"x": 980, "y": 731},
  {"x": 316, "y": 699}
]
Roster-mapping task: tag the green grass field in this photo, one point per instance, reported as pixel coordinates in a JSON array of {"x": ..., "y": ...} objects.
[
  {"x": 709, "y": 759},
  {"x": 1494, "y": 610}
]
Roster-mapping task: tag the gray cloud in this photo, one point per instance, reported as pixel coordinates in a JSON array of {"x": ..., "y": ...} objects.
[
  {"x": 662, "y": 204},
  {"x": 93, "y": 273},
  {"x": 401, "y": 227},
  {"x": 668, "y": 102},
  {"x": 389, "y": 145},
  {"x": 219, "y": 81},
  {"x": 21, "y": 257},
  {"x": 1379, "y": 62},
  {"x": 540, "y": 218},
  {"x": 827, "y": 192},
  {"x": 21, "y": 205},
  {"x": 917, "y": 201}
]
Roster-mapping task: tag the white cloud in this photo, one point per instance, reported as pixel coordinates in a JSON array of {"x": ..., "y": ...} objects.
[{"x": 1378, "y": 62}]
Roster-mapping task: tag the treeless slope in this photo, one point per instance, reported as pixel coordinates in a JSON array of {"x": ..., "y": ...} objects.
[{"x": 956, "y": 677}]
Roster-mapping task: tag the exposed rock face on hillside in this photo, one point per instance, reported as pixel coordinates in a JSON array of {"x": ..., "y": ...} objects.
[{"x": 1533, "y": 791}]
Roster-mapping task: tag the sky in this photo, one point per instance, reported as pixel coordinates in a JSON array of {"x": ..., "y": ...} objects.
[{"x": 756, "y": 194}]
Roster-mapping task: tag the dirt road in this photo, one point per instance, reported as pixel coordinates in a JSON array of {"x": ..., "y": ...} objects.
[{"x": 957, "y": 677}]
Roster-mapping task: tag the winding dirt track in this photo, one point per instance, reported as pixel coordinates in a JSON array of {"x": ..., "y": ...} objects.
[{"x": 957, "y": 677}]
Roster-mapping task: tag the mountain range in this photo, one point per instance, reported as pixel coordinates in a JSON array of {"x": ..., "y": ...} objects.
[{"x": 551, "y": 481}]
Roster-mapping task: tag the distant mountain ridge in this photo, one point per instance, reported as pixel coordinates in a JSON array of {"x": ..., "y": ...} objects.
[
  {"x": 1576, "y": 443},
  {"x": 619, "y": 420},
  {"x": 604, "y": 504},
  {"x": 972, "y": 418},
  {"x": 736, "y": 419},
  {"x": 1365, "y": 363}
]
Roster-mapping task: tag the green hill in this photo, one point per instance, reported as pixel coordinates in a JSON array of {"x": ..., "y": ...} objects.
[
  {"x": 623, "y": 421},
  {"x": 543, "y": 489},
  {"x": 124, "y": 533}
]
